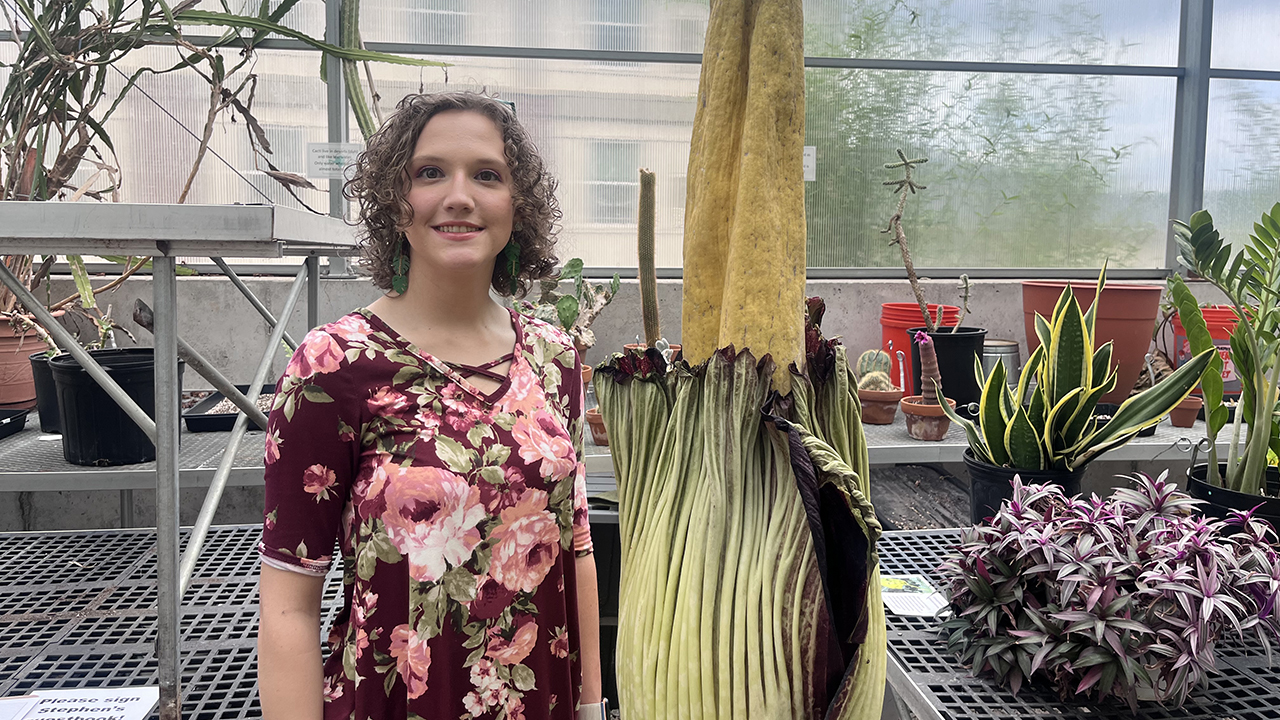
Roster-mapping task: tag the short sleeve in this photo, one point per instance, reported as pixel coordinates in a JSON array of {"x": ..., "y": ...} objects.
[
  {"x": 312, "y": 453},
  {"x": 581, "y": 520}
]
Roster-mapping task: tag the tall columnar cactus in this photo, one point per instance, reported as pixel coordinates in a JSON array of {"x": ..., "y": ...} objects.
[
  {"x": 929, "y": 374},
  {"x": 873, "y": 360},
  {"x": 644, "y": 247}
]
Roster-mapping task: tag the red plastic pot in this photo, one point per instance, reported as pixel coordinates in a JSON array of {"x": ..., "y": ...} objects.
[
  {"x": 896, "y": 319},
  {"x": 1221, "y": 322},
  {"x": 1126, "y": 316}
]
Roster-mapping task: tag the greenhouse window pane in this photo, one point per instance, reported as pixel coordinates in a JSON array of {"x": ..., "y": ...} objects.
[
  {"x": 1244, "y": 33},
  {"x": 1023, "y": 171},
  {"x": 1242, "y": 156},
  {"x": 1134, "y": 32}
]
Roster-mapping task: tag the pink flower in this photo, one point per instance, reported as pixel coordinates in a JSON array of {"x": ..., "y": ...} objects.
[
  {"x": 413, "y": 658},
  {"x": 319, "y": 353},
  {"x": 527, "y": 543},
  {"x": 333, "y": 687},
  {"x": 273, "y": 446},
  {"x": 524, "y": 396},
  {"x": 428, "y": 423},
  {"x": 459, "y": 411},
  {"x": 352, "y": 328},
  {"x": 560, "y": 643},
  {"x": 492, "y": 598},
  {"x": 497, "y": 496},
  {"x": 544, "y": 439},
  {"x": 510, "y": 652},
  {"x": 515, "y": 708},
  {"x": 318, "y": 480},
  {"x": 484, "y": 676},
  {"x": 472, "y": 704},
  {"x": 369, "y": 488},
  {"x": 346, "y": 433},
  {"x": 270, "y": 520},
  {"x": 387, "y": 402},
  {"x": 431, "y": 517}
]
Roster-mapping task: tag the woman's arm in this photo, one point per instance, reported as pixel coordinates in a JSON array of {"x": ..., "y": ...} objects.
[
  {"x": 589, "y": 629},
  {"x": 290, "y": 676}
]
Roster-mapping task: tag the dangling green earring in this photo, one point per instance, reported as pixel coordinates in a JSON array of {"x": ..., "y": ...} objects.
[
  {"x": 511, "y": 256},
  {"x": 400, "y": 269}
]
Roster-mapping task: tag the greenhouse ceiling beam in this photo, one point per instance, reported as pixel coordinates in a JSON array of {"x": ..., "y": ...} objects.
[{"x": 1190, "y": 118}]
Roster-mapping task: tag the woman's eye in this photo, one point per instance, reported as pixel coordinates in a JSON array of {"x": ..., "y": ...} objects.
[
  {"x": 489, "y": 176},
  {"x": 431, "y": 172}
]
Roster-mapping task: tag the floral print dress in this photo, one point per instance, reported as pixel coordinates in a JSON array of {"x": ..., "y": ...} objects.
[{"x": 458, "y": 515}]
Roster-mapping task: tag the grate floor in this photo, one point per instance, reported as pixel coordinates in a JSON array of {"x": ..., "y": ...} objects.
[
  {"x": 77, "y": 609},
  {"x": 1245, "y": 688}
]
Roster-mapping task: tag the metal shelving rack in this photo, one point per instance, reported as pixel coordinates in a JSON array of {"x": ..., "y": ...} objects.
[{"x": 164, "y": 232}]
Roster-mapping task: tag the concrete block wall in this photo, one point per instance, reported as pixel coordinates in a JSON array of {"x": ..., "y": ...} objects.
[{"x": 218, "y": 322}]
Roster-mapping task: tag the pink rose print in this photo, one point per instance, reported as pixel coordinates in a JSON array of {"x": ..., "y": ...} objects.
[
  {"x": 510, "y": 652},
  {"x": 515, "y": 709},
  {"x": 273, "y": 446},
  {"x": 413, "y": 658},
  {"x": 387, "y": 403},
  {"x": 318, "y": 480},
  {"x": 431, "y": 518},
  {"x": 428, "y": 422},
  {"x": 527, "y": 543},
  {"x": 491, "y": 599},
  {"x": 270, "y": 520},
  {"x": 460, "y": 412},
  {"x": 544, "y": 439},
  {"x": 490, "y": 690},
  {"x": 524, "y": 396},
  {"x": 497, "y": 496},
  {"x": 333, "y": 687},
  {"x": 368, "y": 489},
  {"x": 318, "y": 354},
  {"x": 560, "y": 643},
  {"x": 473, "y": 705},
  {"x": 351, "y": 328}
]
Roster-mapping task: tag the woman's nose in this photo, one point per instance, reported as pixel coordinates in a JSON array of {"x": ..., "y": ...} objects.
[{"x": 458, "y": 194}]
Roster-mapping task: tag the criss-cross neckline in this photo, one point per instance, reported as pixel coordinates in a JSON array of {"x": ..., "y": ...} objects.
[{"x": 484, "y": 370}]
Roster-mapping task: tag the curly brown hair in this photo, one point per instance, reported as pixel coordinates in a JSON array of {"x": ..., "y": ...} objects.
[{"x": 381, "y": 180}]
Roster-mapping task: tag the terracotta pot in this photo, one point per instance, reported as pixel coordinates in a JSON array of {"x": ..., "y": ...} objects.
[
  {"x": 925, "y": 422},
  {"x": 17, "y": 385},
  {"x": 879, "y": 407},
  {"x": 1184, "y": 415},
  {"x": 599, "y": 434},
  {"x": 587, "y": 371},
  {"x": 1126, "y": 316}
]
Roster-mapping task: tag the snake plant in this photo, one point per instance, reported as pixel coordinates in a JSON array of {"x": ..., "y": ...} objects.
[{"x": 1051, "y": 426}]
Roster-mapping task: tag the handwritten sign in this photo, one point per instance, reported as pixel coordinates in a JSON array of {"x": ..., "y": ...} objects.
[
  {"x": 330, "y": 160},
  {"x": 128, "y": 703}
]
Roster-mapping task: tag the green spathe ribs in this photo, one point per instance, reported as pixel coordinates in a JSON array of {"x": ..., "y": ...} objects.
[{"x": 749, "y": 581}]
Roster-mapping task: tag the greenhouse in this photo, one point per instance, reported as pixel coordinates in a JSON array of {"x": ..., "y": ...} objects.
[{"x": 639, "y": 359}]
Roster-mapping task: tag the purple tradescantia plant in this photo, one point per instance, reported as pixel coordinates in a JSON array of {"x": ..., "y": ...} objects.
[{"x": 1119, "y": 597}]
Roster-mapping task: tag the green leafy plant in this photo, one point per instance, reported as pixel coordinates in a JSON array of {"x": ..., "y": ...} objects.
[
  {"x": 1052, "y": 426},
  {"x": 1250, "y": 278},
  {"x": 575, "y": 311},
  {"x": 1121, "y": 597}
]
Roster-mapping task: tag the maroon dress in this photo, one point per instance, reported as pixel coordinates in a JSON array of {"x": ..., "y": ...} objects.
[{"x": 458, "y": 515}]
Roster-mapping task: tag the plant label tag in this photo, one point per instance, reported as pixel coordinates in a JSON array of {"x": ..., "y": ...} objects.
[
  {"x": 120, "y": 703},
  {"x": 330, "y": 160},
  {"x": 810, "y": 163},
  {"x": 911, "y": 595}
]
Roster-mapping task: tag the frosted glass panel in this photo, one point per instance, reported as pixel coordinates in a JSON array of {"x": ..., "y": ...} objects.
[
  {"x": 1242, "y": 155},
  {"x": 596, "y": 124},
  {"x": 1023, "y": 171},
  {"x": 1244, "y": 33},
  {"x": 1134, "y": 32}
]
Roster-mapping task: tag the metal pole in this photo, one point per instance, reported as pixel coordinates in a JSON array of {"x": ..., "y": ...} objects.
[
  {"x": 196, "y": 540},
  {"x": 165, "y": 299},
  {"x": 253, "y": 299},
  {"x": 68, "y": 343},
  {"x": 313, "y": 291},
  {"x": 126, "y": 508},
  {"x": 1190, "y": 118},
  {"x": 339, "y": 130}
]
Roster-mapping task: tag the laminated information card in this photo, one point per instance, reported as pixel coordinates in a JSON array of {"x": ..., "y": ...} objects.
[
  {"x": 127, "y": 703},
  {"x": 911, "y": 595}
]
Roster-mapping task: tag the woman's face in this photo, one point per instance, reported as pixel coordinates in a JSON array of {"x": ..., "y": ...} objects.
[{"x": 460, "y": 190}]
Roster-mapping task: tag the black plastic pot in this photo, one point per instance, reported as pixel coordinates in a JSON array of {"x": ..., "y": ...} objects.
[
  {"x": 1220, "y": 501},
  {"x": 95, "y": 430},
  {"x": 990, "y": 485},
  {"x": 46, "y": 393},
  {"x": 956, "y": 353}
]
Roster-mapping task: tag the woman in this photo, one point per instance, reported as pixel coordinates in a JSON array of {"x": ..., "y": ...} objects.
[{"x": 436, "y": 436}]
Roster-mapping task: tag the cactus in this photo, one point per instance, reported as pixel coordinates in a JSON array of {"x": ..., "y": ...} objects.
[
  {"x": 928, "y": 369},
  {"x": 874, "y": 360},
  {"x": 876, "y": 380},
  {"x": 644, "y": 247}
]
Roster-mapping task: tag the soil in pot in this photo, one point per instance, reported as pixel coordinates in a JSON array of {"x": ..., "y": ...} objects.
[
  {"x": 925, "y": 422},
  {"x": 1184, "y": 415},
  {"x": 95, "y": 430},
  {"x": 599, "y": 434},
  {"x": 879, "y": 407},
  {"x": 1221, "y": 501},
  {"x": 956, "y": 353},
  {"x": 990, "y": 485},
  {"x": 46, "y": 393}
]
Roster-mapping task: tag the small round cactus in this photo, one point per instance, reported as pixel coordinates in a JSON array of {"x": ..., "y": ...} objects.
[
  {"x": 874, "y": 360},
  {"x": 876, "y": 380}
]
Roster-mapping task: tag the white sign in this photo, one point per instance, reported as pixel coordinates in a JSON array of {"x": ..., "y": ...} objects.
[
  {"x": 329, "y": 160},
  {"x": 15, "y": 708},
  {"x": 127, "y": 703},
  {"x": 810, "y": 163},
  {"x": 911, "y": 595}
]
